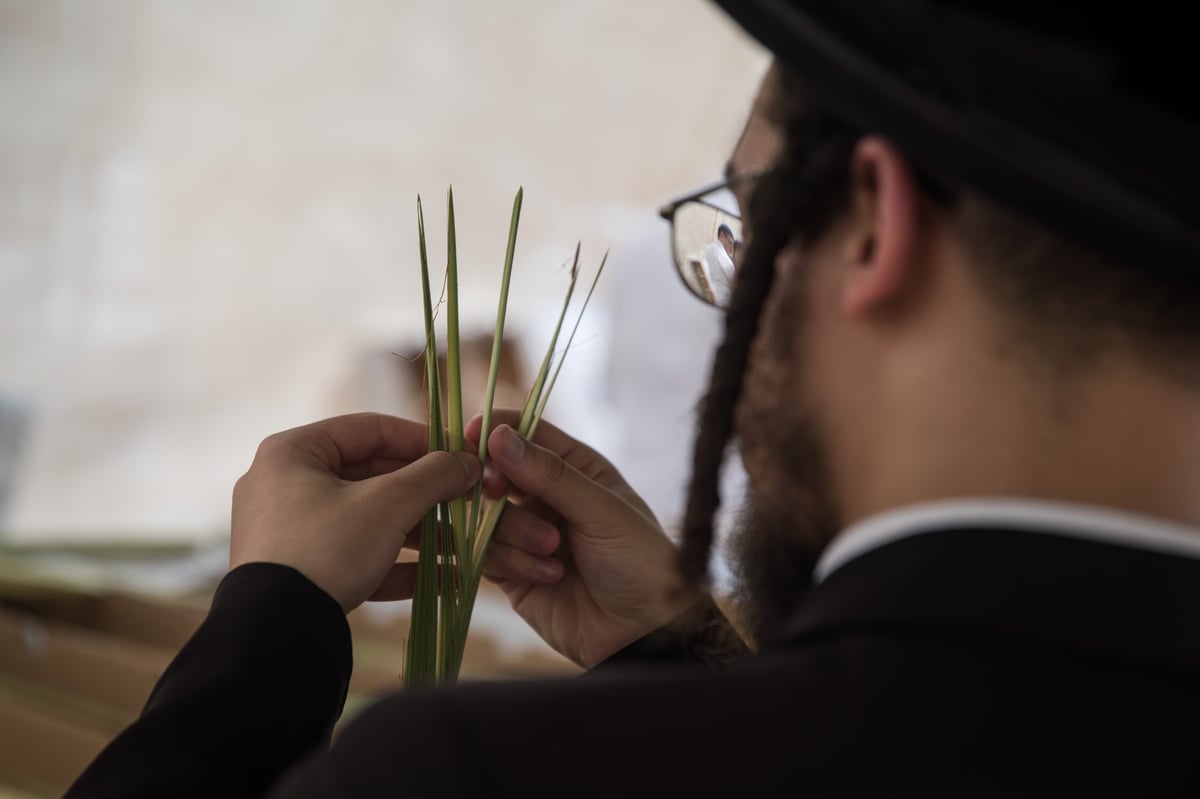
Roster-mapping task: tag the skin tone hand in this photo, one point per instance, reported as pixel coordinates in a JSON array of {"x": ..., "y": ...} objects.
[
  {"x": 337, "y": 499},
  {"x": 579, "y": 555}
]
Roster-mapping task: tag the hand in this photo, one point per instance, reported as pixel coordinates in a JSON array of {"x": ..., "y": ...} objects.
[
  {"x": 337, "y": 499},
  {"x": 579, "y": 555}
]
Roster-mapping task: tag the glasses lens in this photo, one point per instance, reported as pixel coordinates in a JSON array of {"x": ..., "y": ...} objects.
[{"x": 706, "y": 239}]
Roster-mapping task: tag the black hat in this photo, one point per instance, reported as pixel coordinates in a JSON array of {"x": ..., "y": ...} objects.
[{"x": 1082, "y": 117}]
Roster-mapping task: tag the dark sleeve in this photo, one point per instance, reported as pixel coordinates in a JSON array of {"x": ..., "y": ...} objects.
[
  {"x": 704, "y": 638},
  {"x": 260, "y": 684}
]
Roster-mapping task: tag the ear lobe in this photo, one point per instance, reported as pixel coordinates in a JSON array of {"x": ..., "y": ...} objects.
[{"x": 885, "y": 195}]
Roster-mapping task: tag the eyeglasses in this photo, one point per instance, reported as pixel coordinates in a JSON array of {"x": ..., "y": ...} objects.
[{"x": 706, "y": 234}]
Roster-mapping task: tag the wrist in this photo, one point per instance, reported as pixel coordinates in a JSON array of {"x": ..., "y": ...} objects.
[{"x": 700, "y": 635}]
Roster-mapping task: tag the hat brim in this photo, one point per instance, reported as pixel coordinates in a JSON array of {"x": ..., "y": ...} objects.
[{"x": 972, "y": 143}]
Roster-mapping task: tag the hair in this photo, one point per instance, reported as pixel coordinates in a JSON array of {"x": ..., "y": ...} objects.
[
  {"x": 1063, "y": 303},
  {"x": 1067, "y": 305},
  {"x": 799, "y": 197},
  {"x": 723, "y": 228}
]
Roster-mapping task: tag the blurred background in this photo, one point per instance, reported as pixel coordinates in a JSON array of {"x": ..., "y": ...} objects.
[{"x": 208, "y": 234}]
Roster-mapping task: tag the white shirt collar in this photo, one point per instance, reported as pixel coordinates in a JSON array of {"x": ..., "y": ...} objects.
[{"x": 1055, "y": 518}]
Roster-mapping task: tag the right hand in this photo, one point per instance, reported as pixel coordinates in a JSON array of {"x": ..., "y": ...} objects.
[{"x": 608, "y": 571}]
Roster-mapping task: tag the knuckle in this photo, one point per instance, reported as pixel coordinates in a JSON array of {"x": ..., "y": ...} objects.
[
  {"x": 441, "y": 459},
  {"x": 271, "y": 444},
  {"x": 553, "y": 469}
]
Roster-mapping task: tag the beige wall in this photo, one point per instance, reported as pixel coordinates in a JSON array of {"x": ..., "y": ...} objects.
[{"x": 207, "y": 225}]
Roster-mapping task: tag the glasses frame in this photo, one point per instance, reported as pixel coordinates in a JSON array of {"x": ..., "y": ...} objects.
[{"x": 669, "y": 210}]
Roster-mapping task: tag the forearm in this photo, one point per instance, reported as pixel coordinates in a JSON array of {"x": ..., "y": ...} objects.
[{"x": 260, "y": 683}]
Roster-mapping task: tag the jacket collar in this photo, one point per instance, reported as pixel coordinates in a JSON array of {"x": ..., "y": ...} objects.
[
  {"x": 1071, "y": 519},
  {"x": 1060, "y": 593}
]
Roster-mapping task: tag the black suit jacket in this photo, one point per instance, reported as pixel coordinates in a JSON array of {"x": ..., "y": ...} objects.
[{"x": 956, "y": 663}]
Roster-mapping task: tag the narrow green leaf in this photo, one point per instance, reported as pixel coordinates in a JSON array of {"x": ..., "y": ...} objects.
[
  {"x": 457, "y": 517},
  {"x": 495, "y": 508},
  {"x": 493, "y": 373},
  {"x": 537, "y": 417},
  {"x": 533, "y": 399},
  {"x": 447, "y": 592},
  {"x": 421, "y": 653},
  {"x": 453, "y": 350},
  {"x": 467, "y": 596}
]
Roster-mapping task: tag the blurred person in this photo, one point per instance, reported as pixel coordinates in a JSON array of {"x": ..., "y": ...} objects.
[
  {"x": 718, "y": 258},
  {"x": 960, "y": 366}
]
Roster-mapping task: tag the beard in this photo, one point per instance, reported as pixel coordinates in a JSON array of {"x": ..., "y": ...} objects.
[
  {"x": 791, "y": 510},
  {"x": 779, "y": 533}
]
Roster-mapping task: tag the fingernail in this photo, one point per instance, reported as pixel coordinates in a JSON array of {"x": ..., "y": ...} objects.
[{"x": 512, "y": 447}]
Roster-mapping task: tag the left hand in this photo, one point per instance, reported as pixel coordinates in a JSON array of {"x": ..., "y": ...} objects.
[
  {"x": 614, "y": 576},
  {"x": 336, "y": 500}
]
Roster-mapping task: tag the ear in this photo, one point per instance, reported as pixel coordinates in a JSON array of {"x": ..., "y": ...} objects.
[{"x": 885, "y": 201}]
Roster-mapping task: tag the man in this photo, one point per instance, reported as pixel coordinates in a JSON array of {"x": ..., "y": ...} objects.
[
  {"x": 718, "y": 258},
  {"x": 970, "y": 416}
]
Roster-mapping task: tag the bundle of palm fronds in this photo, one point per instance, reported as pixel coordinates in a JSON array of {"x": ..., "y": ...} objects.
[{"x": 455, "y": 535}]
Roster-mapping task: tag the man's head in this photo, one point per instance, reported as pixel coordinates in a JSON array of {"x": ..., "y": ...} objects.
[
  {"x": 725, "y": 236},
  {"x": 895, "y": 336}
]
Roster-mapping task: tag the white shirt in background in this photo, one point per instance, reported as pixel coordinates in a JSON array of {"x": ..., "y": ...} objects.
[{"x": 720, "y": 272}]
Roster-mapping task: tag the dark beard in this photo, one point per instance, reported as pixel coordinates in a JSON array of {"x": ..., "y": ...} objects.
[{"x": 779, "y": 534}]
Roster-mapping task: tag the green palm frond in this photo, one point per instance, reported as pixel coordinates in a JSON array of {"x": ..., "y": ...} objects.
[{"x": 455, "y": 536}]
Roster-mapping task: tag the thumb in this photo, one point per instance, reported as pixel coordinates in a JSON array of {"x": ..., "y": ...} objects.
[
  {"x": 407, "y": 493},
  {"x": 542, "y": 474}
]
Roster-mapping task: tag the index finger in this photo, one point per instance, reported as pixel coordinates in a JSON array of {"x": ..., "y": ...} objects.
[{"x": 343, "y": 441}]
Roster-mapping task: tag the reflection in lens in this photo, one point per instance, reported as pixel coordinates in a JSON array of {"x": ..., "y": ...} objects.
[{"x": 706, "y": 242}]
